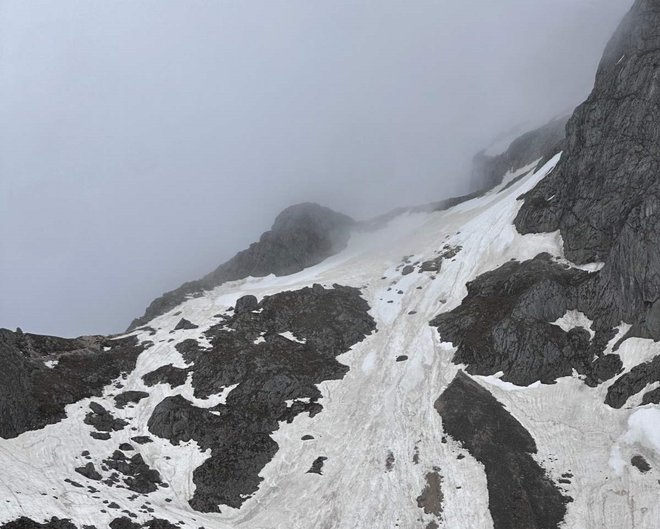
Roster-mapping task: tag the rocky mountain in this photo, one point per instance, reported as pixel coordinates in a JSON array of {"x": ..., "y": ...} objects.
[{"x": 485, "y": 362}]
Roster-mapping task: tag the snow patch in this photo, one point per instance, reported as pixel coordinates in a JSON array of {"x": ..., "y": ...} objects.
[
  {"x": 289, "y": 336},
  {"x": 573, "y": 319},
  {"x": 496, "y": 380},
  {"x": 644, "y": 429}
]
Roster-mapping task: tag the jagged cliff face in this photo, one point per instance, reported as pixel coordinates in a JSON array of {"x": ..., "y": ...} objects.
[
  {"x": 486, "y": 362},
  {"x": 604, "y": 196},
  {"x": 538, "y": 144}
]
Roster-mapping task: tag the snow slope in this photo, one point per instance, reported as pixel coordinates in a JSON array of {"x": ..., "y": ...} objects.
[{"x": 379, "y": 430}]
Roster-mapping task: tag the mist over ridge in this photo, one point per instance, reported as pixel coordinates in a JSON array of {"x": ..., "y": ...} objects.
[{"x": 146, "y": 143}]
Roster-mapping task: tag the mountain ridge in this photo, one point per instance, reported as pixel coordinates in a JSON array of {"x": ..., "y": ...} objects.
[{"x": 490, "y": 361}]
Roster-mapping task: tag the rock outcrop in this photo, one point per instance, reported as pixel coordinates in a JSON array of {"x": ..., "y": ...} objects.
[
  {"x": 276, "y": 378},
  {"x": 520, "y": 494},
  {"x": 604, "y": 198},
  {"x": 32, "y": 394}
]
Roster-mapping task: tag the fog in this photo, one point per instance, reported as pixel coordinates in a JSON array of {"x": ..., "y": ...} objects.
[{"x": 143, "y": 143}]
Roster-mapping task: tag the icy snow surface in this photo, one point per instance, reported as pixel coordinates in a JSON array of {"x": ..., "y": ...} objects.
[{"x": 380, "y": 407}]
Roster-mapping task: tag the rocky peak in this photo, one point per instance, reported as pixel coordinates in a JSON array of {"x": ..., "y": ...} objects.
[
  {"x": 312, "y": 217},
  {"x": 301, "y": 236}
]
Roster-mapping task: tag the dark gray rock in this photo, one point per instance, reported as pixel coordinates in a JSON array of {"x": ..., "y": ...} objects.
[
  {"x": 604, "y": 194},
  {"x": 408, "y": 269},
  {"x": 301, "y": 236},
  {"x": 246, "y": 304},
  {"x": 139, "y": 477},
  {"x": 89, "y": 472},
  {"x": 141, "y": 439},
  {"x": 432, "y": 265},
  {"x": 126, "y": 397},
  {"x": 633, "y": 382},
  {"x": 184, "y": 324},
  {"x": 268, "y": 374},
  {"x": 317, "y": 466},
  {"x": 504, "y": 324},
  {"x": 651, "y": 397},
  {"x": 124, "y": 523},
  {"x": 33, "y": 395},
  {"x": 640, "y": 464},
  {"x": 542, "y": 143},
  {"x": 174, "y": 376},
  {"x": 520, "y": 493},
  {"x": 26, "y": 523},
  {"x": 158, "y": 523},
  {"x": 103, "y": 420},
  {"x": 603, "y": 197}
]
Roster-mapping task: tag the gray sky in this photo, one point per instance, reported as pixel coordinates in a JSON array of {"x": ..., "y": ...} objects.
[{"x": 144, "y": 142}]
